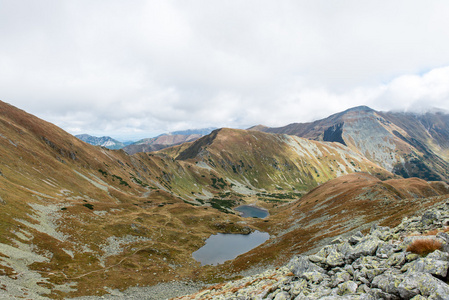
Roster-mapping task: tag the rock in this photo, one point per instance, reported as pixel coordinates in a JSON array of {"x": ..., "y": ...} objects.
[
  {"x": 316, "y": 258},
  {"x": 282, "y": 296},
  {"x": 348, "y": 287},
  {"x": 386, "y": 250},
  {"x": 301, "y": 264},
  {"x": 381, "y": 232},
  {"x": 439, "y": 255},
  {"x": 419, "y": 297},
  {"x": 388, "y": 282},
  {"x": 314, "y": 276},
  {"x": 429, "y": 217},
  {"x": 379, "y": 294},
  {"x": 356, "y": 238},
  {"x": 337, "y": 240},
  {"x": 411, "y": 257},
  {"x": 428, "y": 265},
  {"x": 298, "y": 287},
  {"x": 364, "y": 248},
  {"x": 335, "y": 258},
  {"x": 339, "y": 278},
  {"x": 397, "y": 259},
  {"x": 428, "y": 285}
]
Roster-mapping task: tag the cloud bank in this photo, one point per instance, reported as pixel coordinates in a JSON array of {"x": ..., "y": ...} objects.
[{"x": 133, "y": 69}]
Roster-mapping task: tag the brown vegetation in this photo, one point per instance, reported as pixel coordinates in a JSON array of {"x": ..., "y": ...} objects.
[{"x": 424, "y": 246}]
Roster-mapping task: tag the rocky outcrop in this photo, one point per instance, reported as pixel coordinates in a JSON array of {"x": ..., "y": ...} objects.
[{"x": 377, "y": 265}]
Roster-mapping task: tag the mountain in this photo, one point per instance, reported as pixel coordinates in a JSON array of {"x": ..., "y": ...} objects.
[
  {"x": 76, "y": 218},
  {"x": 248, "y": 161},
  {"x": 201, "y": 131},
  {"x": 104, "y": 141},
  {"x": 407, "y": 144},
  {"x": 83, "y": 220},
  {"x": 166, "y": 140}
]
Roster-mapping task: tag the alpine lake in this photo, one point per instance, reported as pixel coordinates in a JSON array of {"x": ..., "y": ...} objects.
[{"x": 221, "y": 247}]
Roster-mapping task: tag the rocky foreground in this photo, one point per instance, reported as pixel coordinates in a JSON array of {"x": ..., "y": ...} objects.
[{"x": 410, "y": 261}]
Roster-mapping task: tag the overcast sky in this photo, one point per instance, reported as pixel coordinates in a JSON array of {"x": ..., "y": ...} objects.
[{"x": 135, "y": 69}]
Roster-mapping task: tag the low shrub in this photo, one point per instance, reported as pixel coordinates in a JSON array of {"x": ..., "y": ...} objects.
[{"x": 424, "y": 246}]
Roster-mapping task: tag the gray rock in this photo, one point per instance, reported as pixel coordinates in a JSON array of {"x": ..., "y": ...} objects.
[
  {"x": 301, "y": 264},
  {"x": 379, "y": 294},
  {"x": 348, "y": 287},
  {"x": 429, "y": 217},
  {"x": 356, "y": 238},
  {"x": 386, "y": 250},
  {"x": 282, "y": 296},
  {"x": 397, "y": 259},
  {"x": 339, "y": 278},
  {"x": 439, "y": 255},
  {"x": 298, "y": 287},
  {"x": 428, "y": 285},
  {"x": 419, "y": 297},
  {"x": 314, "y": 277},
  {"x": 388, "y": 282},
  {"x": 427, "y": 265},
  {"x": 364, "y": 248}
]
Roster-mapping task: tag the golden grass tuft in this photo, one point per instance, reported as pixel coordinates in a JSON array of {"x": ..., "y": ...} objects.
[{"x": 424, "y": 246}]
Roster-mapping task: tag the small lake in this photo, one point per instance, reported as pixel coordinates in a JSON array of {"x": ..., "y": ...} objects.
[
  {"x": 249, "y": 211},
  {"x": 225, "y": 246}
]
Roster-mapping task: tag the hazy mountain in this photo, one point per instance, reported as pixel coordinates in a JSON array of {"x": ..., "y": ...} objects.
[
  {"x": 104, "y": 141},
  {"x": 408, "y": 144},
  {"x": 166, "y": 140},
  {"x": 201, "y": 131}
]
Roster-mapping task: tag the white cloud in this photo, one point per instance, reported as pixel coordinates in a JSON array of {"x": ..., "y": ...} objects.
[{"x": 146, "y": 67}]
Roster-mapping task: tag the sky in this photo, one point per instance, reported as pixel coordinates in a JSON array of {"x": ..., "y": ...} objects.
[{"x": 136, "y": 69}]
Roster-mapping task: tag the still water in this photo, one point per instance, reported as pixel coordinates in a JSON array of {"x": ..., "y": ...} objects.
[
  {"x": 252, "y": 211},
  {"x": 222, "y": 247}
]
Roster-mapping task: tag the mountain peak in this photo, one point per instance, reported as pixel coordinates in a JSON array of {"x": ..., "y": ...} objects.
[{"x": 359, "y": 108}]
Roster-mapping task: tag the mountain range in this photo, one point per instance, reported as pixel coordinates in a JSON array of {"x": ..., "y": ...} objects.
[
  {"x": 166, "y": 140},
  {"x": 77, "y": 219},
  {"x": 407, "y": 144},
  {"x": 104, "y": 141},
  {"x": 149, "y": 144}
]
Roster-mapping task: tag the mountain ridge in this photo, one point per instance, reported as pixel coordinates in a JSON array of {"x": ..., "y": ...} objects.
[
  {"x": 104, "y": 141},
  {"x": 408, "y": 144}
]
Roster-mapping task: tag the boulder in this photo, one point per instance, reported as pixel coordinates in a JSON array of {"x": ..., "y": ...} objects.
[{"x": 301, "y": 264}]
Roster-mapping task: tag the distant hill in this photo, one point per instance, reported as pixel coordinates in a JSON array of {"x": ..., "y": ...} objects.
[
  {"x": 407, "y": 144},
  {"x": 104, "y": 141},
  {"x": 166, "y": 140}
]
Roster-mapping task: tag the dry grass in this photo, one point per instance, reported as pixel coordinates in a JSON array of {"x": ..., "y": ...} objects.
[{"x": 424, "y": 246}]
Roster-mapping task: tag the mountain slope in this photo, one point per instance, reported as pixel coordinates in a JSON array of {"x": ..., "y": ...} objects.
[
  {"x": 104, "y": 141},
  {"x": 77, "y": 218},
  {"x": 411, "y": 145},
  {"x": 249, "y": 162}
]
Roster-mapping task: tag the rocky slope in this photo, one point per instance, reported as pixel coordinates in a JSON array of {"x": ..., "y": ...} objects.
[
  {"x": 411, "y": 145},
  {"x": 409, "y": 261}
]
